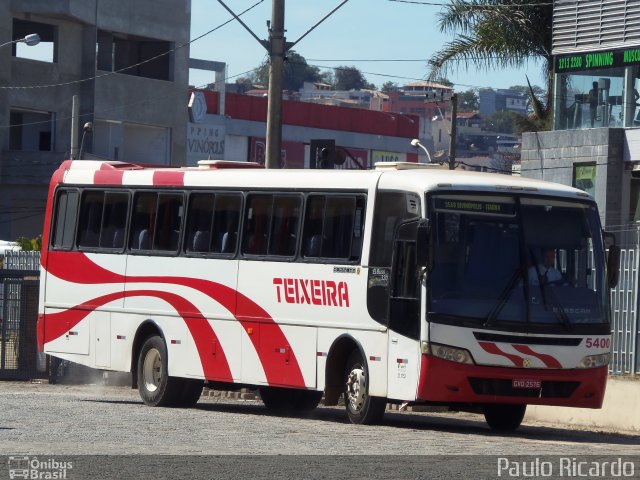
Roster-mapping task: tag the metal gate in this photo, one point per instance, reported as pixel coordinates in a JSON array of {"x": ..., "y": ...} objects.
[
  {"x": 19, "y": 356},
  {"x": 625, "y": 329}
]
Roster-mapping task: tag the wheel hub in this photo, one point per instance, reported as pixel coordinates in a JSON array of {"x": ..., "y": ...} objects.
[
  {"x": 356, "y": 389},
  {"x": 152, "y": 370}
]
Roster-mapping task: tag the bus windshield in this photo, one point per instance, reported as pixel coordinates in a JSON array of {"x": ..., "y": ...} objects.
[{"x": 516, "y": 259}]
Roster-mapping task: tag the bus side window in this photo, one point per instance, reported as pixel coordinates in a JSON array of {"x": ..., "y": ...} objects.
[
  {"x": 143, "y": 221},
  {"x": 65, "y": 219},
  {"x": 226, "y": 222},
  {"x": 199, "y": 218},
  {"x": 256, "y": 224},
  {"x": 312, "y": 232},
  {"x": 114, "y": 220},
  {"x": 168, "y": 222},
  {"x": 284, "y": 226},
  {"x": 91, "y": 207}
]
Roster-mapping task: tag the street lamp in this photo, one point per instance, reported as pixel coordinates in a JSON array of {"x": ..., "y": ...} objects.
[
  {"x": 31, "y": 40},
  {"x": 416, "y": 143}
]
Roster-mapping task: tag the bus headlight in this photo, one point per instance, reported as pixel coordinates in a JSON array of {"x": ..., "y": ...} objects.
[
  {"x": 594, "y": 361},
  {"x": 453, "y": 354}
]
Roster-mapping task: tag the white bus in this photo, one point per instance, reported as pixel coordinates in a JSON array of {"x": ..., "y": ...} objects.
[{"x": 399, "y": 284}]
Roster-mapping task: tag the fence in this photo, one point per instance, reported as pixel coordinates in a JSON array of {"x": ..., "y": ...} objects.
[{"x": 625, "y": 329}]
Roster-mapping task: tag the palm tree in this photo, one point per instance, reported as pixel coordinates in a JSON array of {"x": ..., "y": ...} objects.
[{"x": 498, "y": 33}]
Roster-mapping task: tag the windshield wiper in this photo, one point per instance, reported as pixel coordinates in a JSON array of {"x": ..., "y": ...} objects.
[
  {"x": 503, "y": 297},
  {"x": 556, "y": 307}
]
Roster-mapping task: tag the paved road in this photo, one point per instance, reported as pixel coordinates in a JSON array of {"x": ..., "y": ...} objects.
[{"x": 38, "y": 419}]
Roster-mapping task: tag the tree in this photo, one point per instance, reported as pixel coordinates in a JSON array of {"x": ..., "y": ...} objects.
[
  {"x": 296, "y": 71},
  {"x": 389, "y": 87},
  {"x": 468, "y": 101},
  {"x": 498, "y": 33},
  {"x": 350, "y": 78},
  {"x": 502, "y": 122}
]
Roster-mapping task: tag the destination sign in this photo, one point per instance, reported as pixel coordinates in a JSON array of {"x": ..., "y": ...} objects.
[
  {"x": 473, "y": 206},
  {"x": 597, "y": 60}
]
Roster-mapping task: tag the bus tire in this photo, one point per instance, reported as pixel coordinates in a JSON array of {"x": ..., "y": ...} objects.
[
  {"x": 361, "y": 408},
  {"x": 308, "y": 400},
  {"x": 156, "y": 387},
  {"x": 504, "y": 417},
  {"x": 289, "y": 400},
  {"x": 191, "y": 391}
]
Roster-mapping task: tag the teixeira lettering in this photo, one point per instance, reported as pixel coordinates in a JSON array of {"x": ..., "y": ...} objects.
[{"x": 313, "y": 292}]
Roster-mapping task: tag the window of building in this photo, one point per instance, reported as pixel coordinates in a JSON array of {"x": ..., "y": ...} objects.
[
  {"x": 590, "y": 99},
  {"x": 31, "y": 130},
  {"x": 45, "y": 51},
  {"x": 131, "y": 55}
]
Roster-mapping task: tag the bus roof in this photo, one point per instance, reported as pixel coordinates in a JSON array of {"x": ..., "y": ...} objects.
[{"x": 223, "y": 175}]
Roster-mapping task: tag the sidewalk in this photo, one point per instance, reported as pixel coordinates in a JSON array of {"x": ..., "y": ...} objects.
[{"x": 620, "y": 411}]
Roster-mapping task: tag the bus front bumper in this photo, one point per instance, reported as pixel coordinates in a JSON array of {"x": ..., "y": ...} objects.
[{"x": 451, "y": 382}]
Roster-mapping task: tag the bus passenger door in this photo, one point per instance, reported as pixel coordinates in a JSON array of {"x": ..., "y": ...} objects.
[{"x": 404, "y": 316}]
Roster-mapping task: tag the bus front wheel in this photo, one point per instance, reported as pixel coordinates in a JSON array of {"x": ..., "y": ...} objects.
[
  {"x": 156, "y": 387},
  {"x": 361, "y": 407},
  {"x": 504, "y": 417}
]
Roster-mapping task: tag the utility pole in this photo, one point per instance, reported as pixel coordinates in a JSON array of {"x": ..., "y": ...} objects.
[
  {"x": 452, "y": 137},
  {"x": 75, "y": 125},
  {"x": 276, "y": 46},
  {"x": 274, "y": 106}
]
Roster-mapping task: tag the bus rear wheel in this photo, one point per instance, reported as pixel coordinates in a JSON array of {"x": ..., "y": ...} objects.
[
  {"x": 191, "y": 391},
  {"x": 156, "y": 387},
  {"x": 504, "y": 417},
  {"x": 361, "y": 407}
]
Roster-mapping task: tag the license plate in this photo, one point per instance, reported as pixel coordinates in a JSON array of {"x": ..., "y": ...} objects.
[{"x": 526, "y": 383}]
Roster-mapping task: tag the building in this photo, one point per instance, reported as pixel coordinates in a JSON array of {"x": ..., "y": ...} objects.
[
  {"x": 317, "y": 92},
  {"x": 502, "y": 100},
  {"x": 595, "y": 144},
  {"x": 363, "y": 136},
  {"x": 125, "y": 63}
]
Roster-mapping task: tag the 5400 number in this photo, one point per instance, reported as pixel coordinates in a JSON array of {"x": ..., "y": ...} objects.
[{"x": 604, "y": 342}]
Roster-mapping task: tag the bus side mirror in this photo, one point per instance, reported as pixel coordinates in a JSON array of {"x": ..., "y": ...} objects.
[
  {"x": 613, "y": 260},
  {"x": 423, "y": 249},
  {"x": 613, "y": 266}
]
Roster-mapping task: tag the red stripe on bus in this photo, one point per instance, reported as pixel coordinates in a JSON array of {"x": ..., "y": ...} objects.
[
  {"x": 215, "y": 367},
  {"x": 108, "y": 177},
  {"x": 548, "y": 360},
  {"x": 169, "y": 178},
  {"x": 495, "y": 350},
  {"x": 78, "y": 268}
]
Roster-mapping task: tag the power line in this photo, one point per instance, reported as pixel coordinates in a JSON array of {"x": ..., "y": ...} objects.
[
  {"x": 475, "y": 5},
  {"x": 106, "y": 74}
]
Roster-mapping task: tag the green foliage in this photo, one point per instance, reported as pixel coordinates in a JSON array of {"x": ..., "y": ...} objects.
[
  {"x": 468, "y": 101},
  {"x": 502, "y": 122},
  {"x": 389, "y": 87},
  {"x": 496, "y": 34},
  {"x": 30, "y": 244},
  {"x": 350, "y": 78},
  {"x": 296, "y": 71}
]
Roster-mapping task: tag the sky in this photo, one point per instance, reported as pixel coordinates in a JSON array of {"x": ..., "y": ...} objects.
[{"x": 360, "y": 30}]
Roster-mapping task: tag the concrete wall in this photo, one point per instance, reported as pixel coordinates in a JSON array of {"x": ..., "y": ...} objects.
[
  {"x": 135, "y": 101},
  {"x": 620, "y": 410},
  {"x": 551, "y": 156}
]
